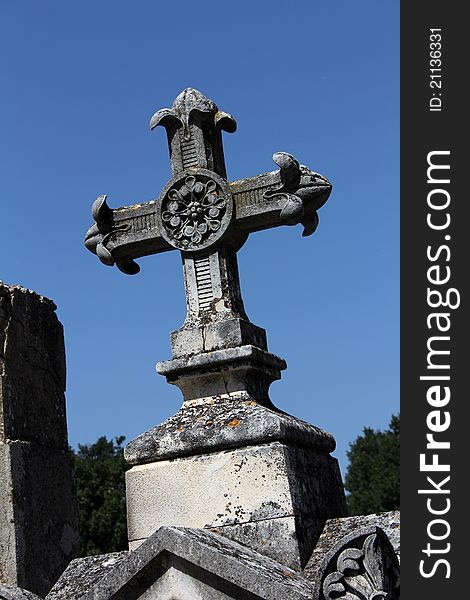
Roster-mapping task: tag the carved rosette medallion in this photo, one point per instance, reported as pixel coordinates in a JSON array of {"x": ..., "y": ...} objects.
[{"x": 195, "y": 210}]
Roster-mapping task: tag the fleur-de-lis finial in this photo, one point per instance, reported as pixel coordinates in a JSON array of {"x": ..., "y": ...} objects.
[{"x": 194, "y": 124}]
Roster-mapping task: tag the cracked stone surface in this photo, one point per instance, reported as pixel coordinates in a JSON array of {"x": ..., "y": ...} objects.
[{"x": 38, "y": 512}]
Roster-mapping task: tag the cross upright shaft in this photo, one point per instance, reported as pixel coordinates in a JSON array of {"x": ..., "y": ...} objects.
[
  {"x": 199, "y": 208},
  {"x": 197, "y": 219}
]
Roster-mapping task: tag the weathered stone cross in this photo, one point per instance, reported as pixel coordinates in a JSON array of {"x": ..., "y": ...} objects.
[{"x": 208, "y": 219}]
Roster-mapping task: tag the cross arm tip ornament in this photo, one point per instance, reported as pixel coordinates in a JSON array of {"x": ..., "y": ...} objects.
[
  {"x": 99, "y": 234},
  {"x": 289, "y": 196},
  {"x": 304, "y": 191}
]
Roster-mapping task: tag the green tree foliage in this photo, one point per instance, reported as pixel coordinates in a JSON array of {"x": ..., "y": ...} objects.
[
  {"x": 99, "y": 475},
  {"x": 373, "y": 477}
]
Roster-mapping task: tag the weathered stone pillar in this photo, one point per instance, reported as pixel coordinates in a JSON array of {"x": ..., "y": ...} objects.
[{"x": 38, "y": 510}]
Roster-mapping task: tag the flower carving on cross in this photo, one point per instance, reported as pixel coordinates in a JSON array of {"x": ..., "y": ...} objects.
[{"x": 194, "y": 210}]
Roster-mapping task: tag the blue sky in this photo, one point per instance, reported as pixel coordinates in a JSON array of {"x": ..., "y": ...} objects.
[{"x": 80, "y": 81}]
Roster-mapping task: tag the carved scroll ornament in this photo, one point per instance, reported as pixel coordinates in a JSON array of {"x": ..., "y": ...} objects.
[{"x": 363, "y": 566}]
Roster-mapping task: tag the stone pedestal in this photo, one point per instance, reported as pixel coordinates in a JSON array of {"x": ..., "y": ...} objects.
[
  {"x": 273, "y": 497},
  {"x": 229, "y": 461},
  {"x": 38, "y": 511}
]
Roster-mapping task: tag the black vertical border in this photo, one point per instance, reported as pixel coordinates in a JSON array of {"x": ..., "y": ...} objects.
[{"x": 423, "y": 131}]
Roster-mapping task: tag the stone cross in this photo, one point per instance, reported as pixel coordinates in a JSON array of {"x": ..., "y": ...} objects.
[{"x": 206, "y": 217}]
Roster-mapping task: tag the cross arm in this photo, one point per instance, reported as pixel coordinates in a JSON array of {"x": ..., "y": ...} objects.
[
  {"x": 291, "y": 195},
  {"x": 286, "y": 197},
  {"x": 199, "y": 211},
  {"x": 123, "y": 234}
]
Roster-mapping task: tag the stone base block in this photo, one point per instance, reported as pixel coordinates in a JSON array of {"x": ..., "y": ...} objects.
[
  {"x": 229, "y": 333},
  {"x": 273, "y": 496}
]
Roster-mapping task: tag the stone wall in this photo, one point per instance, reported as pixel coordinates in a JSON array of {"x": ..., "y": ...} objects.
[{"x": 38, "y": 511}]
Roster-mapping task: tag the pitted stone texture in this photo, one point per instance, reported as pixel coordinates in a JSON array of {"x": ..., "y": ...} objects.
[
  {"x": 244, "y": 486},
  {"x": 221, "y": 425},
  {"x": 83, "y": 575},
  {"x": 185, "y": 563},
  {"x": 38, "y": 511},
  {"x": 14, "y": 593},
  {"x": 337, "y": 529}
]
